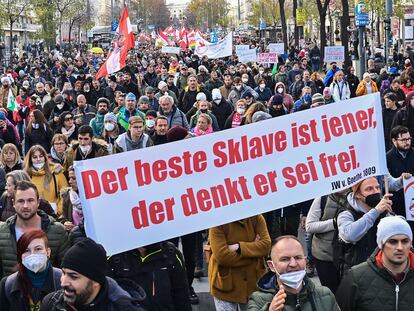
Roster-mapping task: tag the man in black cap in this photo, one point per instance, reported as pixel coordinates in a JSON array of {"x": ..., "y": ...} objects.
[
  {"x": 276, "y": 108},
  {"x": 112, "y": 87},
  {"x": 84, "y": 284}
]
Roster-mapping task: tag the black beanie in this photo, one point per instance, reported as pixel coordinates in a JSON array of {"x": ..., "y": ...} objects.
[{"x": 87, "y": 258}]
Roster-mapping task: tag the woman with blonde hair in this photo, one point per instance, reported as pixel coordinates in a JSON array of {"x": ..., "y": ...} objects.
[
  {"x": 248, "y": 116},
  {"x": 10, "y": 158},
  {"x": 340, "y": 88},
  {"x": 204, "y": 125},
  {"x": 48, "y": 177}
]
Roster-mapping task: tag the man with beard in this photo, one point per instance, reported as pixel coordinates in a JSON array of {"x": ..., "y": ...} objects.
[
  {"x": 225, "y": 89},
  {"x": 129, "y": 85},
  {"x": 84, "y": 113},
  {"x": 161, "y": 128},
  {"x": 85, "y": 286},
  {"x": 28, "y": 216},
  {"x": 276, "y": 108},
  {"x": 112, "y": 87},
  {"x": 400, "y": 160},
  {"x": 97, "y": 123}
]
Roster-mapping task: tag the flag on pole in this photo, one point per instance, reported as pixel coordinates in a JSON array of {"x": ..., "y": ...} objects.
[
  {"x": 11, "y": 102},
  {"x": 274, "y": 70},
  {"x": 124, "y": 41}
]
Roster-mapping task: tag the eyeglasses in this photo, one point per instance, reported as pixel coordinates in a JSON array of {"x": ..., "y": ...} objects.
[{"x": 405, "y": 140}]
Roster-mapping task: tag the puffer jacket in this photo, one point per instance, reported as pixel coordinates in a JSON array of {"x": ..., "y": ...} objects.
[
  {"x": 233, "y": 275},
  {"x": 99, "y": 149},
  {"x": 319, "y": 296},
  {"x": 58, "y": 242},
  {"x": 370, "y": 287}
]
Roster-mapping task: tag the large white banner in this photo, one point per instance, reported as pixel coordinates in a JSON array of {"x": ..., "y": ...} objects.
[
  {"x": 220, "y": 49},
  {"x": 409, "y": 198},
  {"x": 141, "y": 197},
  {"x": 247, "y": 56}
]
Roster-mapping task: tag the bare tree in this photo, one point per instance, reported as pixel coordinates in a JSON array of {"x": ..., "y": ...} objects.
[
  {"x": 283, "y": 21},
  {"x": 345, "y": 22},
  {"x": 322, "y": 9}
]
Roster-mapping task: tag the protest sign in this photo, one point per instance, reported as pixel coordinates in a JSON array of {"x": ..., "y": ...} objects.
[
  {"x": 334, "y": 53},
  {"x": 409, "y": 198},
  {"x": 153, "y": 194},
  {"x": 247, "y": 56},
  {"x": 170, "y": 49},
  {"x": 278, "y": 48},
  {"x": 266, "y": 58},
  {"x": 220, "y": 49},
  {"x": 241, "y": 47}
]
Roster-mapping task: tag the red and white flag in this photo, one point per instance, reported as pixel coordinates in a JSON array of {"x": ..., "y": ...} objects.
[{"x": 124, "y": 41}]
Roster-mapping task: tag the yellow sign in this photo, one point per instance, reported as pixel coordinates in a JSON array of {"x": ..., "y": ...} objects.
[{"x": 300, "y": 17}]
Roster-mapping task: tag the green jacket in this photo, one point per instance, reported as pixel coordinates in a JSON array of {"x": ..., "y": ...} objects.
[
  {"x": 58, "y": 242},
  {"x": 320, "y": 297},
  {"x": 370, "y": 287}
]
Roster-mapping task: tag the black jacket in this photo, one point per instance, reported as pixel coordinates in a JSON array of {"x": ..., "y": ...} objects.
[
  {"x": 388, "y": 116},
  {"x": 405, "y": 117},
  {"x": 111, "y": 298},
  {"x": 396, "y": 166},
  {"x": 221, "y": 111},
  {"x": 161, "y": 273}
]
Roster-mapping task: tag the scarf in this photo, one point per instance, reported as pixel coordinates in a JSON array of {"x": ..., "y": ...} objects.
[
  {"x": 68, "y": 132},
  {"x": 237, "y": 118},
  {"x": 38, "y": 280},
  {"x": 77, "y": 212},
  {"x": 55, "y": 156},
  {"x": 198, "y": 132}
]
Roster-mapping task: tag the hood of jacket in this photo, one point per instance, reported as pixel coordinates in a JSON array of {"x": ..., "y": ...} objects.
[{"x": 353, "y": 201}]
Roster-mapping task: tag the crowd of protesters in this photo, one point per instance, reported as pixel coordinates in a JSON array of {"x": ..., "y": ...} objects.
[{"x": 358, "y": 238}]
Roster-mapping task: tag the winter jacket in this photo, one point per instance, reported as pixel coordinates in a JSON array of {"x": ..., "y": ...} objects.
[
  {"x": 353, "y": 82},
  {"x": 371, "y": 287},
  {"x": 405, "y": 117},
  {"x": 121, "y": 144},
  {"x": 11, "y": 298},
  {"x": 99, "y": 149},
  {"x": 57, "y": 236},
  {"x": 85, "y": 115},
  {"x": 340, "y": 92},
  {"x": 50, "y": 191},
  {"x": 287, "y": 98},
  {"x": 175, "y": 117},
  {"x": 362, "y": 88},
  {"x": 194, "y": 118},
  {"x": 10, "y": 135},
  {"x": 41, "y": 136},
  {"x": 97, "y": 125},
  {"x": 221, "y": 111},
  {"x": 235, "y": 95},
  {"x": 188, "y": 98},
  {"x": 233, "y": 275},
  {"x": 319, "y": 296},
  {"x": 111, "y": 298},
  {"x": 388, "y": 116},
  {"x": 123, "y": 117},
  {"x": 161, "y": 273}
]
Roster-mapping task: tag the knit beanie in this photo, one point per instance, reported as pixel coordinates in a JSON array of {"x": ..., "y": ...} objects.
[
  {"x": 176, "y": 133},
  {"x": 390, "y": 226},
  {"x": 277, "y": 99},
  {"x": 130, "y": 96},
  {"x": 110, "y": 117},
  {"x": 201, "y": 96},
  {"x": 87, "y": 258},
  {"x": 317, "y": 98},
  {"x": 260, "y": 116}
]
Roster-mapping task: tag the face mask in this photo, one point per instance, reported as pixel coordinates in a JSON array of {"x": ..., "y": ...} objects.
[
  {"x": 150, "y": 123},
  {"x": 307, "y": 97},
  {"x": 38, "y": 166},
  {"x": 292, "y": 279},
  {"x": 240, "y": 110},
  {"x": 262, "y": 86},
  {"x": 85, "y": 149},
  {"x": 203, "y": 110},
  {"x": 35, "y": 262},
  {"x": 217, "y": 101},
  {"x": 109, "y": 127},
  {"x": 238, "y": 87},
  {"x": 35, "y": 125},
  {"x": 372, "y": 200},
  {"x": 60, "y": 106},
  {"x": 244, "y": 80},
  {"x": 280, "y": 90}
]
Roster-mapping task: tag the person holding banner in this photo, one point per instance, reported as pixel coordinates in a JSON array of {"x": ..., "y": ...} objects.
[
  {"x": 385, "y": 281},
  {"x": 236, "y": 262}
]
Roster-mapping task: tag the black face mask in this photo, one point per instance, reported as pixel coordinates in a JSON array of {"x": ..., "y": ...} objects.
[
  {"x": 203, "y": 110},
  {"x": 372, "y": 200}
]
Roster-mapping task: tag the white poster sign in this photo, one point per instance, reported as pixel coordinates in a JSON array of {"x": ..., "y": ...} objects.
[
  {"x": 170, "y": 49},
  {"x": 278, "y": 48},
  {"x": 334, "y": 53},
  {"x": 220, "y": 49},
  {"x": 153, "y": 194},
  {"x": 247, "y": 56},
  {"x": 409, "y": 198}
]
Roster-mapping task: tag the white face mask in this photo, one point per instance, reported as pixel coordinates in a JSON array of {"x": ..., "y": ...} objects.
[
  {"x": 240, "y": 110},
  {"x": 85, "y": 149},
  {"x": 35, "y": 262},
  {"x": 292, "y": 279},
  {"x": 38, "y": 166},
  {"x": 238, "y": 87},
  {"x": 244, "y": 80},
  {"x": 150, "y": 123},
  {"x": 109, "y": 127},
  {"x": 280, "y": 90},
  {"x": 60, "y": 106},
  {"x": 262, "y": 86},
  {"x": 217, "y": 101},
  {"x": 35, "y": 125}
]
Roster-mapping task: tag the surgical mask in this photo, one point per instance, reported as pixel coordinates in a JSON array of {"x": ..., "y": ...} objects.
[
  {"x": 109, "y": 127},
  {"x": 245, "y": 80},
  {"x": 240, "y": 110},
  {"x": 38, "y": 166},
  {"x": 35, "y": 262},
  {"x": 292, "y": 279},
  {"x": 262, "y": 86},
  {"x": 372, "y": 200},
  {"x": 85, "y": 149},
  {"x": 60, "y": 106},
  {"x": 238, "y": 87},
  {"x": 307, "y": 97},
  {"x": 35, "y": 125},
  {"x": 203, "y": 110},
  {"x": 150, "y": 123},
  {"x": 217, "y": 101},
  {"x": 280, "y": 90}
]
